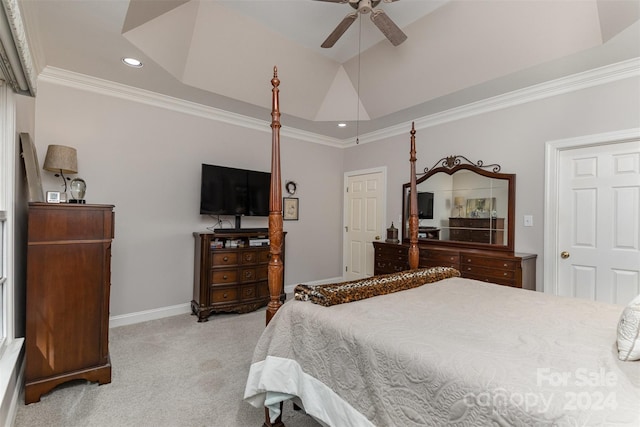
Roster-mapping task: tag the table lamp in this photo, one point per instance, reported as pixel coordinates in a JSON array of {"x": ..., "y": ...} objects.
[
  {"x": 61, "y": 159},
  {"x": 459, "y": 203}
]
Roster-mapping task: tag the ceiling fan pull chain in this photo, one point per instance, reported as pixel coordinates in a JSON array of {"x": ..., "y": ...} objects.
[{"x": 358, "y": 88}]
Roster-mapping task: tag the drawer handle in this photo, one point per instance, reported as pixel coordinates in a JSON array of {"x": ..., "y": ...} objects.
[
  {"x": 225, "y": 259},
  {"x": 224, "y": 295},
  {"x": 505, "y": 264},
  {"x": 504, "y": 274},
  {"x": 225, "y": 277},
  {"x": 247, "y": 274}
]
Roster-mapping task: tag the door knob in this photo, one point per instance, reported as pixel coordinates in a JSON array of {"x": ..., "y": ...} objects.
[
  {"x": 377, "y": 237},
  {"x": 564, "y": 254}
]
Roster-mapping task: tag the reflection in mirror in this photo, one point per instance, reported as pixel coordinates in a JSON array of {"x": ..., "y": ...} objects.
[{"x": 464, "y": 205}]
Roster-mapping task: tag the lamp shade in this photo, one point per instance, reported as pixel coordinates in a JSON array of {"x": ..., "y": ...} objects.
[
  {"x": 61, "y": 158},
  {"x": 458, "y": 201}
]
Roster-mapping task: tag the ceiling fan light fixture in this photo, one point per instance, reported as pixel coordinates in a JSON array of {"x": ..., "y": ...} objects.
[{"x": 342, "y": 125}]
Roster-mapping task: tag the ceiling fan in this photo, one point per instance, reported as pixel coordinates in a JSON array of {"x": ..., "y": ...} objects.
[{"x": 379, "y": 18}]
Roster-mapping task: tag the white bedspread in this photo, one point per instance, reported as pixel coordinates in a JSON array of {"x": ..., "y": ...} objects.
[{"x": 457, "y": 352}]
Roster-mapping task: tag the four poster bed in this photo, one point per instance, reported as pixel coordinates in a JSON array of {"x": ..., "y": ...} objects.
[{"x": 428, "y": 347}]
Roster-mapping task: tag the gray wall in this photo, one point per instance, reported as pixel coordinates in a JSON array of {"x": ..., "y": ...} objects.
[
  {"x": 514, "y": 138},
  {"x": 146, "y": 161}
]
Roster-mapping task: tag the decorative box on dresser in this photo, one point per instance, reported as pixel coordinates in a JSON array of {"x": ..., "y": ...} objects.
[
  {"x": 68, "y": 286},
  {"x": 511, "y": 269},
  {"x": 230, "y": 272}
]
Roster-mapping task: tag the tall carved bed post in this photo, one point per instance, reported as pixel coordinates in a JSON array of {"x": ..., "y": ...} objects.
[
  {"x": 275, "y": 268},
  {"x": 413, "y": 205}
]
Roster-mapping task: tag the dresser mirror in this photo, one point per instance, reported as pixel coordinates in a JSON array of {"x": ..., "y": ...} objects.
[{"x": 463, "y": 204}]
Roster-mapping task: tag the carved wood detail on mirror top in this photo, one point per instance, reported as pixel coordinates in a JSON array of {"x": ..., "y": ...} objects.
[{"x": 463, "y": 204}]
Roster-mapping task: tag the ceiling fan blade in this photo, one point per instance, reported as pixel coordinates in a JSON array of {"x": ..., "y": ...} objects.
[
  {"x": 335, "y": 1},
  {"x": 340, "y": 29},
  {"x": 388, "y": 27}
]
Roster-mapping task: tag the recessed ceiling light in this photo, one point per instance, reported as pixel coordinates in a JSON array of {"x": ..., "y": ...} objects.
[
  {"x": 342, "y": 125},
  {"x": 132, "y": 62}
]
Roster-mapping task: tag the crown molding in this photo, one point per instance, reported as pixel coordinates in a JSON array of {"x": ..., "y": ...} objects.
[
  {"x": 108, "y": 88},
  {"x": 597, "y": 76}
]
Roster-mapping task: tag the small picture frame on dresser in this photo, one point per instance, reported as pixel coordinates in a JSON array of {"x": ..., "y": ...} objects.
[{"x": 53, "y": 197}]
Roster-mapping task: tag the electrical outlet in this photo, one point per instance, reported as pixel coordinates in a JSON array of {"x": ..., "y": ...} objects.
[{"x": 528, "y": 220}]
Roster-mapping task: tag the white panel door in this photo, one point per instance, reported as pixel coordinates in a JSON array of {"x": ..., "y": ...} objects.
[
  {"x": 364, "y": 223},
  {"x": 599, "y": 222}
]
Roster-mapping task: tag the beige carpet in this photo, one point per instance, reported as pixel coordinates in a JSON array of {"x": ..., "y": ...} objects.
[{"x": 167, "y": 372}]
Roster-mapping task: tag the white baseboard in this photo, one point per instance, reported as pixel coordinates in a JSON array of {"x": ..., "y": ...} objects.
[
  {"x": 174, "y": 310},
  {"x": 143, "y": 316}
]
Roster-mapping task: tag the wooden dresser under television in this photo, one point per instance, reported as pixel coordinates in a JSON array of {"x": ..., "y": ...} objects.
[
  {"x": 230, "y": 275},
  {"x": 511, "y": 269}
]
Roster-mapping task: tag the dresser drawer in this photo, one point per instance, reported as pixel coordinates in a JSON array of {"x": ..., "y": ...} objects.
[
  {"x": 263, "y": 256},
  {"x": 262, "y": 273},
  {"x": 391, "y": 251},
  {"x": 248, "y": 274},
  {"x": 223, "y": 258},
  {"x": 496, "y": 280},
  {"x": 507, "y": 264},
  {"x": 248, "y": 292},
  {"x": 384, "y": 266},
  {"x": 219, "y": 295},
  {"x": 488, "y": 272},
  {"x": 439, "y": 256},
  {"x": 428, "y": 263},
  {"x": 249, "y": 257},
  {"x": 262, "y": 289},
  {"x": 224, "y": 276}
]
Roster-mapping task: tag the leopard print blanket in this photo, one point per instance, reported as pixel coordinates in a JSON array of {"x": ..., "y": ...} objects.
[{"x": 355, "y": 290}]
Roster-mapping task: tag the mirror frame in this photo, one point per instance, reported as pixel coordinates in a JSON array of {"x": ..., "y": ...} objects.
[{"x": 451, "y": 165}]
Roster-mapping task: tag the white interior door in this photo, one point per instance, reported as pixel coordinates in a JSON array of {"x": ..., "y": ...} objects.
[
  {"x": 598, "y": 241},
  {"x": 364, "y": 221}
]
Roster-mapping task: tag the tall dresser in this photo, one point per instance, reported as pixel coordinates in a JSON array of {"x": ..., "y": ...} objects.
[{"x": 68, "y": 284}]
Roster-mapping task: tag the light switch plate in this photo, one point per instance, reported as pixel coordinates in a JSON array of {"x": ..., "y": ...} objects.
[{"x": 528, "y": 220}]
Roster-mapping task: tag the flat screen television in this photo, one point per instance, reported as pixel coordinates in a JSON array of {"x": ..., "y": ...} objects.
[
  {"x": 232, "y": 191},
  {"x": 425, "y": 205}
]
